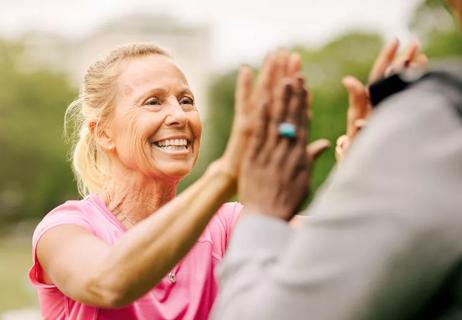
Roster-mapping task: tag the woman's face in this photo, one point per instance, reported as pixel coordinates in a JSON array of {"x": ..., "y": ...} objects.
[{"x": 155, "y": 126}]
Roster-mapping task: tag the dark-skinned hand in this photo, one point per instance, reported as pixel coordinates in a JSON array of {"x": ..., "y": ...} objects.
[{"x": 274, "y": 175}]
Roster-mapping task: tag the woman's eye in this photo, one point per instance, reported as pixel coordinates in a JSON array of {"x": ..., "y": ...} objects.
[
  {"x": 186, "y": 100},
  {"x": 153, "y": 101}
]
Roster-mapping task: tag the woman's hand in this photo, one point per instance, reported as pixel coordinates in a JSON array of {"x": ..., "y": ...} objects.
[
  {"x": 359, "y": 106},
  {"x": 248, "y": 99}
]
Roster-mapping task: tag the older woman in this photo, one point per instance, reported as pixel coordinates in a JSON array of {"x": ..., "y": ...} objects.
[{"x": 131, "y": 248}]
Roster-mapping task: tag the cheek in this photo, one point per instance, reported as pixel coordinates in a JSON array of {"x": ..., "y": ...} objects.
[
  {"x": 137, "y": 146},
  {"x": 134, "y": 145},
  {"x": 196, "y": 126}
]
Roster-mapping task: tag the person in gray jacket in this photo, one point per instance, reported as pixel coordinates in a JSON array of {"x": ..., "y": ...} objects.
[{"x": 384, "y": 237}]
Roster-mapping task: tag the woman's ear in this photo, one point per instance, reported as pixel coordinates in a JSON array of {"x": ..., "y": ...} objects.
[{"x": 101, "y": 136}]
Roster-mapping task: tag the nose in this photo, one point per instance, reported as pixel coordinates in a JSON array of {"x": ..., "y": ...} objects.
[{"x": 176, "y": 116}]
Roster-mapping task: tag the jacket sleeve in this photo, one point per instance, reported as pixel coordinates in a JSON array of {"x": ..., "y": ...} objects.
[{"x": 383, "y": 234}]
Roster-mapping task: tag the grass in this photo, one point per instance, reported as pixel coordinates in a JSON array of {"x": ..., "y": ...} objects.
[{"x": 15, "y": 260}]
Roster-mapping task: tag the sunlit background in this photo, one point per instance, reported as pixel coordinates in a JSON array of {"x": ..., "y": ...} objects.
[{"x": 45, "y": 47}]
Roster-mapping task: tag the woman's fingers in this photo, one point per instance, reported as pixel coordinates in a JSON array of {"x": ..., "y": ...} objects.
[
  {"x": 358, "y": 103},
  {"x": 295, "y": 64},
  {"x": 284, "y": 60},
  {"x": 266, "y": 76},
  {"x": 278, "y": 70},
  {"x": 243, "y": 90},
  {"x": 274, "y": 69},
  {"x": 383, "y": 61}
]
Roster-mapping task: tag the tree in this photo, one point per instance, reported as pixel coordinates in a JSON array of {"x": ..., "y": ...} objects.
[
  {"x": 437, "y": 30},
  {"x": 34, "y": 171}
]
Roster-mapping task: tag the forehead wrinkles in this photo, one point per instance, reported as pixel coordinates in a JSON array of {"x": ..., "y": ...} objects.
[{"x": 145, "y": 73}]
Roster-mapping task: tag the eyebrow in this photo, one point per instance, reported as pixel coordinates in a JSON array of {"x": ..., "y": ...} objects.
[
  {"x": 186, "y": 91},
  {"x": 162, "y": 91}
]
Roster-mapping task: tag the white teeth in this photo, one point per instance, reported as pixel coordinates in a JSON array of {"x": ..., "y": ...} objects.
[
  {"x": 174, "y": 148},
  {"x": 172, "y": 143}
]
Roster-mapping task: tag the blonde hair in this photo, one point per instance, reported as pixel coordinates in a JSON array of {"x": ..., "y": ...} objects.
[{"x": 90, "y": 164}]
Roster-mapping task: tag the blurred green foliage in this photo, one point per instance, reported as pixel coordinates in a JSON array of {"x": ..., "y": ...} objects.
[
  {"x": 34, "y": 173},
  {"x": 437, "y": 29},
  {"x": 16, "y": 291}
]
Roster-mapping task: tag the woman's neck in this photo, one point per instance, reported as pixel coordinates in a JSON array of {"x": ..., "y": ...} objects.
[{"x": 132, "y": 197}]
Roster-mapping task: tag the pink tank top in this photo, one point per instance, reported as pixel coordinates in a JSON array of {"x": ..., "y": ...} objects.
[{"x": 188, "y": 293}]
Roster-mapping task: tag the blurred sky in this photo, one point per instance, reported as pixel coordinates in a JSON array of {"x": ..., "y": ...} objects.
[{"x": 241, "y": 30}]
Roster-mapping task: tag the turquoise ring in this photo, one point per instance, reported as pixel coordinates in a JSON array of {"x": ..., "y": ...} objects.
[{"x": 287, "y": 130}]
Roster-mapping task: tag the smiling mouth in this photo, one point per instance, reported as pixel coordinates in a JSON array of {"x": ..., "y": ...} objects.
[{"x": 172, "y": 145}]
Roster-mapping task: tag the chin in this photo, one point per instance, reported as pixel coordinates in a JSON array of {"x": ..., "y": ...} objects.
[{"x": 175, "y": 172}]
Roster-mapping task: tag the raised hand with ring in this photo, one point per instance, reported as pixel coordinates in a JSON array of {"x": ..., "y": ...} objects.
[{"x": 275, "y": 170}]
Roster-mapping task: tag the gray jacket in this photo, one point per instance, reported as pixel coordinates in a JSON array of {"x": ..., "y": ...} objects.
[{"x": 384, "y": 236}]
